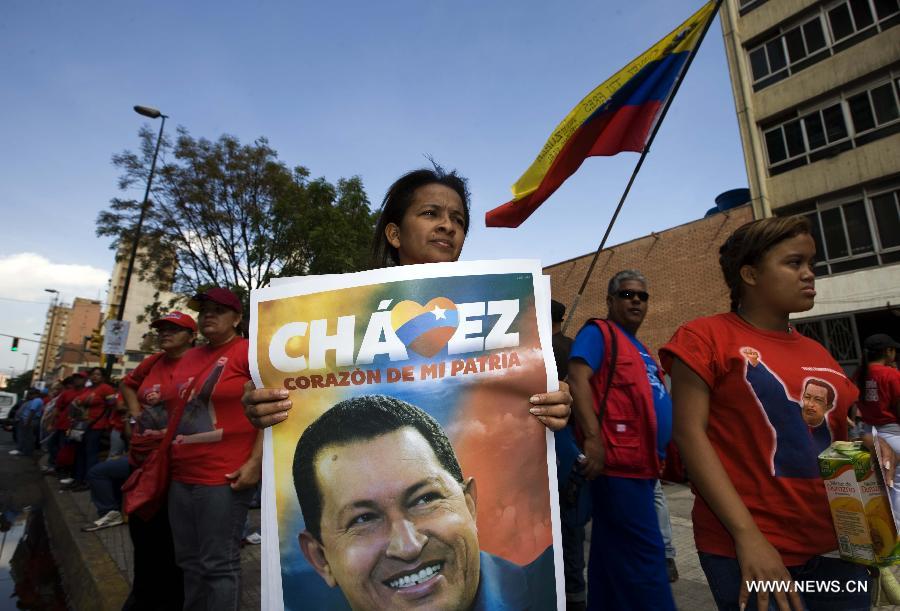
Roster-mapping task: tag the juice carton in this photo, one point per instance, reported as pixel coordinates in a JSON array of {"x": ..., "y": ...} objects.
[{"x": 859, "y": 507}]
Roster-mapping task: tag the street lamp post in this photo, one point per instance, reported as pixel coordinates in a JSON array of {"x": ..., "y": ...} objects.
[
  {"x": 120, "y": 311},
  {"x": 53, "y": 305}
]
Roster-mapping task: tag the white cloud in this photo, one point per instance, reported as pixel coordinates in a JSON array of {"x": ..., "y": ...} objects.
[{"x": 26, "y": 275}]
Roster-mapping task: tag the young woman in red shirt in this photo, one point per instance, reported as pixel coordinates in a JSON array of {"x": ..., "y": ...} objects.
[
  {"x": 879, "y": 396},
  {"x": 755, "y": 402}
]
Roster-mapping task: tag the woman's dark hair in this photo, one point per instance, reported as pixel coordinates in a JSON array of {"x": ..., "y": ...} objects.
[
  {"x": 862, "y": 372},
  {"x": 397, "y": 200},
  {"x": 750, "y": 242}
]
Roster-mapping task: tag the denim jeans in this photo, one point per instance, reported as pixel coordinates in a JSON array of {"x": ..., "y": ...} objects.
[
  {"x": 724, "y": 577},
  {"x": 87, "y": 453},
  {"x": 106, "y": 479},
  {"x": 53, "y": 445},
  {"x": 25, "y": 440},
  {"x": 207, "y": 525},
  {"x": 117, "y": 445},
  {"x": 662, "y": 516},
  {"x": 573, "y": 561}
]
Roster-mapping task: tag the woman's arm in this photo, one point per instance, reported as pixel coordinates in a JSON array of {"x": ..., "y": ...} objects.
[
  {"x": 758, "y": 559},
  {"x": 129, "y": 395}
]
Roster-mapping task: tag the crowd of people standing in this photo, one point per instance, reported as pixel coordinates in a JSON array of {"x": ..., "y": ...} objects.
[{"x": 736, "y": 391}]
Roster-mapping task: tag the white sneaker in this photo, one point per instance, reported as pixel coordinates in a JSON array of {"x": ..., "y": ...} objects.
[
  {"x": 15, "y": 453},
  {"x": 66, "y": 481},
  {"x": 253, "y": 539},
  {"x": 112, "y": 518}
]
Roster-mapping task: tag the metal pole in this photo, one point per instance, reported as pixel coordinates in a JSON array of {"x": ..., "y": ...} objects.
[
  {"x": 110, "y": 359},
  {"x": 637, "y": 168}
]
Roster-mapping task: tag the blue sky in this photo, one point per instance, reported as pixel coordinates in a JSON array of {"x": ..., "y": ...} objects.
[{"x": 343, "y": 88}]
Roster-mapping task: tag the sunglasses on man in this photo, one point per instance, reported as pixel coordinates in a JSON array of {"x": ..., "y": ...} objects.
[{"x": 629, "y": 295}]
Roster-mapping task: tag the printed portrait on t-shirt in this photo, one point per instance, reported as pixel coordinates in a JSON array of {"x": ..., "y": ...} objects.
[
  {"x": 198, "y": 422},
  {"x": 800, "y": 425},
  {"x": 154, "y": 415}
]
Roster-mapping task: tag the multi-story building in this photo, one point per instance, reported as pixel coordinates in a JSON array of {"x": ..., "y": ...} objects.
[
  {"x": 72, "y": 325},
  {"x": 52, "y": 338},
  {"x": 141, "y": 293},
  {"x": 817, "y": 90}
]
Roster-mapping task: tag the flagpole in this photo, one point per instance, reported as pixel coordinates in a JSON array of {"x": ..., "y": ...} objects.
[{"x": 637, "y": 167}]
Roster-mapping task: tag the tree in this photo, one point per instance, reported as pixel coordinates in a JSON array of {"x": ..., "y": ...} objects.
[
  {"x": 226, "y": 214},
  {"x": 20, "y": 383}
]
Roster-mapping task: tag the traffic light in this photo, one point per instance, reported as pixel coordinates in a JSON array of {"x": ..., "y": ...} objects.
[
  {"x": 15, "y": 344},
  {"x": 96, "y": 342}
]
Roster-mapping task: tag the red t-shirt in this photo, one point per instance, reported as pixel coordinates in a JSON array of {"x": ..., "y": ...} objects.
[
  {"x": 152, "y": 381},
  {"x": 93, "y": 399},
  {"x": 116, "y": 421},
  {"x": 776, "y": 401},
  {"x": 882, "y": 389},
  {"x": 214, "y": 436},
  {"x": 63, "y": 420}
]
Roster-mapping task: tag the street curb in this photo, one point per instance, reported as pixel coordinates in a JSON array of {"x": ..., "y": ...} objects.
[{"x": 89, "y": 575}]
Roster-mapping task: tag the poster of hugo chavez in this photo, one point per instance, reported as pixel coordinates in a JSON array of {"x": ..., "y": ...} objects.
[{"x": 409, "y": 472}]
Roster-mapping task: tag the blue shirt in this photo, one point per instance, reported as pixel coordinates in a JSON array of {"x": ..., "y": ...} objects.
[
  {"x": 32, "y": 407},
  {"x": 506, "y": 586},
  {"x": 589, "y": 347}
]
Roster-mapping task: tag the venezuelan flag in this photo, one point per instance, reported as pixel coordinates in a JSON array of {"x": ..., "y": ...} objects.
[{"x": 616, "y": 116}]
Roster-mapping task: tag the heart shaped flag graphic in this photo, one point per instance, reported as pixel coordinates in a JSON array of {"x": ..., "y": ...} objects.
[{"x": 425, "y": 329}]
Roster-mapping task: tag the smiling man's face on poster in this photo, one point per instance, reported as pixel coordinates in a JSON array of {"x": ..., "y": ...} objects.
[{"x": 396, "y": 530}]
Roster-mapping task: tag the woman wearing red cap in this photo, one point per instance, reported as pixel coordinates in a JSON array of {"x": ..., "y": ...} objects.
[
  {"x": 215, "y": 456},
  {"x": 143, "y": 391},
  {"x": 424, "y": 219}
]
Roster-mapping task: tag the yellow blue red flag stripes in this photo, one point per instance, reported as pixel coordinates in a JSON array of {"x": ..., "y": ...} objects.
[{"x": 616, "y": 116}]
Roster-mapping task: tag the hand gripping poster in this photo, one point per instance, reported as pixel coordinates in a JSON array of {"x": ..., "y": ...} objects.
[{"x": 409, "y": 472}]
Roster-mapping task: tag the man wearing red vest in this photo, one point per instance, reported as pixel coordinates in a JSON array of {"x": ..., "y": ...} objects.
[{"x": 624, "y": 420}]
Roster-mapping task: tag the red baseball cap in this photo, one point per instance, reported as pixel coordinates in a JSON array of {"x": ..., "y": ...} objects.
[
  {"x": 176, "y": 318},
  {"x": 217, "y": 295}
]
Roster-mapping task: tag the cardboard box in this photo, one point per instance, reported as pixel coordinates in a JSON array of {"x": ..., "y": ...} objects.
[{"x": 859, "y": 506}]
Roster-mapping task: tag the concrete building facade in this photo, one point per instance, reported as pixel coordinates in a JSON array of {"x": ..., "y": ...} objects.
[
  {"x": 141, "y": 294},
  {"x": 816, "y": 85},
  {"x": 72, "y": 325},
  {"x": 53, "y": 336}
]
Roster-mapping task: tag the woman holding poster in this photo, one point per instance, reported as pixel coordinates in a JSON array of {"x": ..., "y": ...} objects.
[
  {"x": 410, "y": 383},
  {"x": 424, "y": 219}
]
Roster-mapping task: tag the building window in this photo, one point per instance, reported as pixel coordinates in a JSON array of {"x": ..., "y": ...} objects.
[
  {"x": 837, "y": 333},
  {"x": 748, "y": 5},
  {"x": 801, "y": 43},
  {"x": 856, "y": 232},
  {"x": 874, "y": 108},
  {"x": 849, "y": 121}
]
